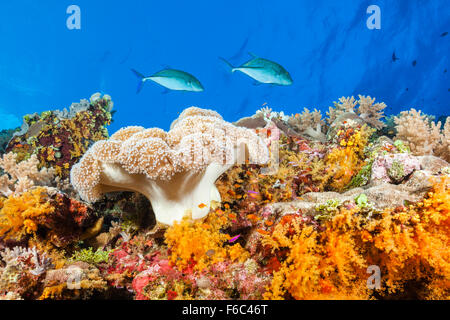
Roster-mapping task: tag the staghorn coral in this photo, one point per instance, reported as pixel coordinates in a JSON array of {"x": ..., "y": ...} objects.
[
  {"x": 175, "y": 170},
  {"x": 422, "y": 135},
  {"x": 368, "y": 111},
  {"x": 60, "y": 138},
  {"x": 22, "y": 176}
]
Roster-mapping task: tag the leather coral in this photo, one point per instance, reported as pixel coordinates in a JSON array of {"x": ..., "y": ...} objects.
[{"x": 175, "y": 170}]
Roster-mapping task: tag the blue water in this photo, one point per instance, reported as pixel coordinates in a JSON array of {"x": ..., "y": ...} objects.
[{"x": 325, "y": 45}]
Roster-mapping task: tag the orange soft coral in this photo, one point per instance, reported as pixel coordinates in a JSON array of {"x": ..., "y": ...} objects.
[
  {"x": 199, "y": 244},
  {"x": 22, "y": 214},
  {"x": 407, "y": 244}
]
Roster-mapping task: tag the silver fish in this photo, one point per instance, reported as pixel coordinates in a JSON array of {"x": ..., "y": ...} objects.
[
  {"x": 263, "y": 71},
  {"x": 171, "y": 79}
]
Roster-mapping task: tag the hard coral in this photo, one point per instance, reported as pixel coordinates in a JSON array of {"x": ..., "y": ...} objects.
[
  {"x": 23, "y": 270},
  {"x": 175, "y": 170}
]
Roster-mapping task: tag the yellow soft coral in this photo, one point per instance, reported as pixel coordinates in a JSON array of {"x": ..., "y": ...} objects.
[
  {"x": 347, "y": 159},
  {"x": 201, "y": 243},
  {"x": 410, "y": 244},
  {"x": 318, "y": 266},
  {"x": 21, "y": 214}
]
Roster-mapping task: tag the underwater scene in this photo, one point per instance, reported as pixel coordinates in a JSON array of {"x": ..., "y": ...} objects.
[{"x": 225, "y": 150}]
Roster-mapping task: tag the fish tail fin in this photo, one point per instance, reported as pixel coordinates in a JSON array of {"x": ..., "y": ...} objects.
[
  {"x": 232, "y": 68},
  {"x": 141, "y": 80}
]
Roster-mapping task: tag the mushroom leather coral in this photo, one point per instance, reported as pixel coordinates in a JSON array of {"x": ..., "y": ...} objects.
[{"x": 175, "y": 170}]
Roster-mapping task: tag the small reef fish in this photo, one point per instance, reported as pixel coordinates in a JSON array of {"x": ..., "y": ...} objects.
[
  {"x": 210, "y": 252},
  {"x": 202, "y": 205},
  {"x": 268, "y": 223},
  {"x": 263, "y": 71},
  {"x": 253, "y": 192},
  {"x": 394, "y": 57},
  {"x": 171, "y": 79},
  {"x": 253, "y": 217},
  {"x": 234, "y": 238}
]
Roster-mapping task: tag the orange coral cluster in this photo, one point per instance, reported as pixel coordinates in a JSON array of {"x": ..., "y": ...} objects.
[
  {"x": 21, "y": 215},
  {"x": 199, "y": 244},
  {"x": 407, "y": 244}
]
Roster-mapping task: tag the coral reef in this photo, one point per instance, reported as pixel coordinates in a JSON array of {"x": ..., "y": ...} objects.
[
  {"x": 270, "y": 207},
  {"x": 60, "y": 138}
]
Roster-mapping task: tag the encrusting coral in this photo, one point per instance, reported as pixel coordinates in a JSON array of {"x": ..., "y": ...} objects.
[{"x": 175, "y": 170}]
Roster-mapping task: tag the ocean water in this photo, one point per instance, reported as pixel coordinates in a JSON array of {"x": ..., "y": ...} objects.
[{"x": 325, "y": 45}]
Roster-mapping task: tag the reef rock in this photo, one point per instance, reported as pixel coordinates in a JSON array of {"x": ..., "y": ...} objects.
[
  {"x": 393, "y": 168},
  {"x": 432, "y": 164},
  {"x": 383, "y": 195}
]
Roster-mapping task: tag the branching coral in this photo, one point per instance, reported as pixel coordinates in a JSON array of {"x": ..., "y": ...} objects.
[
  {"x": 19, "y": 177},
  {"x": 175, "y": 170},
  {"x": 422, "y": 135},
  {"x": 371, "y": 113}
]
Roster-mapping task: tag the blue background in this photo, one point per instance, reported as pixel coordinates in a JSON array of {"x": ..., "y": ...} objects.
[{"x": 325, "y": 45}]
